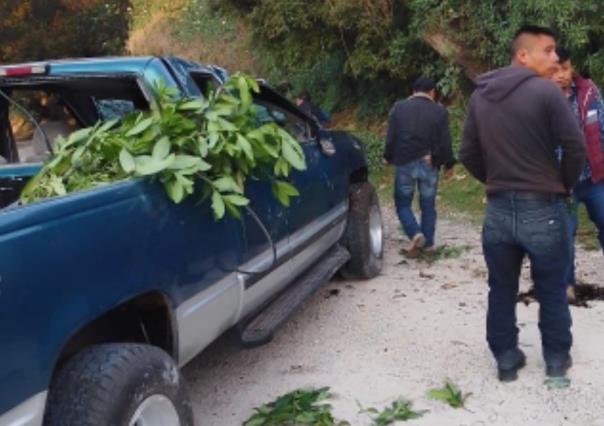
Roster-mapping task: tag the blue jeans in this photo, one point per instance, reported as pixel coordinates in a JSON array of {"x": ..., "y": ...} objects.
[
  {"x": 513, "y": 228},
  {"x": 592, "y": 195},
  {"x": 416, "y": 173}
]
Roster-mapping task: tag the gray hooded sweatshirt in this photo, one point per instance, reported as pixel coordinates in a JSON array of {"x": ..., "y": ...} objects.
[{"x": 515, "y": 122}]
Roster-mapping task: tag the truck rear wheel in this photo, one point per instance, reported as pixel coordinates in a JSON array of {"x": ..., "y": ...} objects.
[
  {"x": 364, "y": 234},
  {"x": 119, "y": 385}
]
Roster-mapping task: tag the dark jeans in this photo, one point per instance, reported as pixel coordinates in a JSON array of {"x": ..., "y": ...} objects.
[
  {"x": 592, "y": 195},
  {"x": 514, "y": 227},
  {"x": 419, "y": 174}
]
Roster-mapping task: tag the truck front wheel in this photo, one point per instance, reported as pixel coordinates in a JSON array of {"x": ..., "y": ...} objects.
[
  {"x": 119, "y": 384},
  {"x": 364, "y": 234}
]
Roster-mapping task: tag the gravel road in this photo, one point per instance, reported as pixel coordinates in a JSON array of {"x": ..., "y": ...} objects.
[{"x": 401, "y": 334}]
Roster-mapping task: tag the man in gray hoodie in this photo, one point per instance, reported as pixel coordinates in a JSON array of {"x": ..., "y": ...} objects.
[{"x": 514, "y": 123}]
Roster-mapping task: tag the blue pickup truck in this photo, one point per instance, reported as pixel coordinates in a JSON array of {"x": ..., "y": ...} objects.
[{"x": 105, "y": 293}]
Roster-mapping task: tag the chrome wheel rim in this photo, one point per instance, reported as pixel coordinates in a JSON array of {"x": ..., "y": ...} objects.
[
  {"x": 375, "y": 231},
  {"x": 156, "y": 410}
]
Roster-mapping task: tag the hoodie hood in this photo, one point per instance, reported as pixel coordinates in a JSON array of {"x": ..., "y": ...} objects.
[{"x": 497, "y": 84}]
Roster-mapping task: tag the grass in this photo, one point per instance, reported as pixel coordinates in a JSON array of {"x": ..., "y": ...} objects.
[
  {"x": 464, "y": 196},
  {"x": 192, "y": 29},
  {"x": 587, "y": 234},
  {"x": 441, "y": 253}
]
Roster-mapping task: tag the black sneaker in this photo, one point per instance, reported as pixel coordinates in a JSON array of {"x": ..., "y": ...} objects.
[
  {"x": 558, "y": 369},
  {"x": 509, "y": 363}
]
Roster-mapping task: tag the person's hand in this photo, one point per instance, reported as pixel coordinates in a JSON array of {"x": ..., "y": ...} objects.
[
  {"x": 449, "y": 173},
  {"x": 427, "y": 159},
  {"x": 385, "y": 162}
]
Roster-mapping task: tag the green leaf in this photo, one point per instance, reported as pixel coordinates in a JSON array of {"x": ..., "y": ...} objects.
[
  {"x": 244, "y": 92},
  {"x": 31, "y": 186},
  {"x": 237, "y": 200},
  {"x": 148, "y": 165},
  {"x": 255, "y": 421},
  {"x": 283, "y": 191},
  {"x": 292, "y": 156},
  {"x": 213, "y": 139},
  {"x": 78, "y": 136},
  {"x": 287, "y": 188},
  {"x": 439, "y": 394},
  {"x": 57, "y": 185},
  {"x": 226, "y": 125},
  {"x": 217, "y": 205},
  {"x": 187, "y": 162},
  {"x": 232, "y": 210},
  {"x": 140, "y": 127},
  {"x": 202, "y": 146},
  {"x": 187, "y": 183},
  {"x": 77, "y": 154},
  {"x": 227, "y": 184},
  {"x": 196, "y": 104},
  {"x": 127, "y": 161},
  {"x": 161, "y": 149},
  {"x": 108, "y": 125},
  {"x": 245, "y": 146},
  {"x": 175, "y": 190}
]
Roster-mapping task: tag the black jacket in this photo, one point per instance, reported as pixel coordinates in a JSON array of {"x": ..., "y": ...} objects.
[
  {"x": 418, "y": 126},
  {"x": 516, "y": 120}
]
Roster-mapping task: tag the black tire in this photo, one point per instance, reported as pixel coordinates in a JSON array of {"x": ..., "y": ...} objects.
[
  {"x": 104, "y": 385},
  {"x": 365, "y": 257}
]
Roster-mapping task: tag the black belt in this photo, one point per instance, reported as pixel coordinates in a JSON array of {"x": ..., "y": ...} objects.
[{"x": 524, "y": 195}]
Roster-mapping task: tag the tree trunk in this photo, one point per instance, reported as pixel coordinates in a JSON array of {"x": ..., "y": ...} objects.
[{"x": 454, "y": 52}]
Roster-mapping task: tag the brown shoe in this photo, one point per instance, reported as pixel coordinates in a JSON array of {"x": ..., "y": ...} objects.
[
  {"x": 570, "y": 294},
  {"x": 417, "y": 242}
]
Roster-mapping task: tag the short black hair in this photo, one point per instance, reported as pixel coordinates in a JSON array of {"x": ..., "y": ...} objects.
[
  {"x": 423, "y": 84},
  {"x": 563, "y": 54},
  {"x": 536, "y": 30}
]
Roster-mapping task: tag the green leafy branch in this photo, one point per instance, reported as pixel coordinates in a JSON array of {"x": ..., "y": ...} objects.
[
  {"x": 206, "y": 146},
  {"x": 400, "y": 409},
  {"x": 299, "y": 407},
  {"x": 450, "y": 394}
]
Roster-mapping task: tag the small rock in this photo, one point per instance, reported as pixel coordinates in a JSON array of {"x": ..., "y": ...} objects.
[{"x": 447, "y": 286}]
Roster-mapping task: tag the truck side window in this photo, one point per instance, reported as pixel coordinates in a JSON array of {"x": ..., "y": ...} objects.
[
  {"x": 53, "y": 118},
  {"x": 205, "y": 82},
  {"x": 109, "y": 109},
  {"x": 297, "y": 127}
]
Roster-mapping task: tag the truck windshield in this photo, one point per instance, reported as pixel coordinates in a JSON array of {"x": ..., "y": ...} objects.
[{"x": 60, "y": 106}]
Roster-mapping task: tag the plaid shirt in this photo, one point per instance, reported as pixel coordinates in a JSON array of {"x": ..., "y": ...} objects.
[{"x": 586, "y": 173}]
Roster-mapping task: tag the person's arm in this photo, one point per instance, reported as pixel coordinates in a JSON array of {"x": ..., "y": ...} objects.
[
  {"x": 390, "y": 136},
  {"x": 600, "y": 107},
  {"x": 444, "y": 140},
  {"x": 470, "y": 151},
  {"x": 569, "y": 136}
]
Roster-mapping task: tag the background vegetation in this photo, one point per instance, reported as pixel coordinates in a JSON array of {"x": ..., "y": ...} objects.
[{"x": 355, "y": 57}]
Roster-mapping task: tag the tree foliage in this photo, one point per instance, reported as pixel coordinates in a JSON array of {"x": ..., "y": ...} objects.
[
  {"x": 345, "y": 52},
  {"x": 367, "y": 52},
  {"x": 43, "y": 29},
  {"x": 484, "y": 29}
]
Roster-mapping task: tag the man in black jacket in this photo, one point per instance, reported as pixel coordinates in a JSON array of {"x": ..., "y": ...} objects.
[
  {"x": 516, "y": 121},
  {"x": 418, "y": 144}
]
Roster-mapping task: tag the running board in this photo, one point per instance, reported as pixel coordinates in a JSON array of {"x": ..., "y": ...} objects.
[{"x": 260, "y": 329}]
